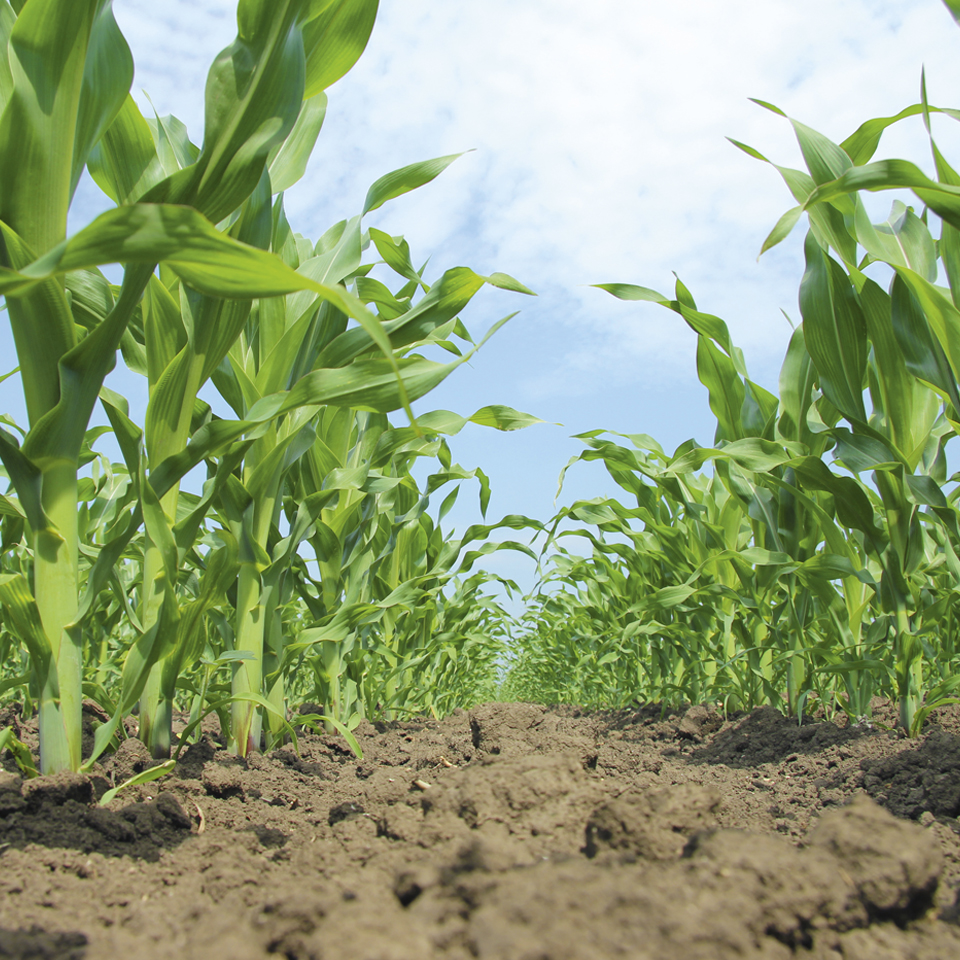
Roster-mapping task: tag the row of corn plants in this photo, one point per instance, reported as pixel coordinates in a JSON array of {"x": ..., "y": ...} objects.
[
  {"x": 307, "y": 552},
  {"x": 817, "y": 557}
]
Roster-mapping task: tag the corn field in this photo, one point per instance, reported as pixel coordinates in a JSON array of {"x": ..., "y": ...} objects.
[{"x": 284, "y": 566}]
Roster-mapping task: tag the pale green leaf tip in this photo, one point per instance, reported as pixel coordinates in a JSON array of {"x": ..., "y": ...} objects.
[
  {"x": 505, "y": 282},
  {"x": 748, "y": 150},
  {"x": 767, "y": 106}
]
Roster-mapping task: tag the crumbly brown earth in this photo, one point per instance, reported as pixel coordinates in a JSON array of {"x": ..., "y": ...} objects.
[{"x": 509, "y": 832}]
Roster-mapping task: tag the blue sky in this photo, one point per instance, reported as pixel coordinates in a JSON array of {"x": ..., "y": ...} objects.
[{"x": 599, "y": 154}]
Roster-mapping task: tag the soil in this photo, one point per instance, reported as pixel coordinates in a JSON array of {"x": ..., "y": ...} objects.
[{"x": 510, "y": 832}]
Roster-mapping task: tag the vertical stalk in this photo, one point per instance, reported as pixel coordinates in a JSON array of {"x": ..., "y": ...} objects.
[
  {"x": 55, "y": 589},
  {"x": 247, "y": 674},
  {"x": 907, "y": 665},
  {"x": 156, "y": 700},
  {"x": 151, "y": 600},
  {"x": 272, "y": 659}
]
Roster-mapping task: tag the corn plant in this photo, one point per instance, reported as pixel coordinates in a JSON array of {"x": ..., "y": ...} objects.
[{"x": 207, "y": 218}]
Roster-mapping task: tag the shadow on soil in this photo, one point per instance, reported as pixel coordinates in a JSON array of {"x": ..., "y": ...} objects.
[
  {"x": 38, "y": 944},
  {"x": 60, "y": 811}
]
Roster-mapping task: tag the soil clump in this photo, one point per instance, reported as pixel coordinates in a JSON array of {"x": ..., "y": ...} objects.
[{"x": 507, "y": 832}]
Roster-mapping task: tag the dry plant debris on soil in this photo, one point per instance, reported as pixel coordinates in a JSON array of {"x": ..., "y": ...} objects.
[{"x": 510, "y": 831}]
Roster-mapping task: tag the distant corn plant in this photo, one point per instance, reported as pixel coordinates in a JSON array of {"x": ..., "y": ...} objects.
[{"x": 120, "y": 584}]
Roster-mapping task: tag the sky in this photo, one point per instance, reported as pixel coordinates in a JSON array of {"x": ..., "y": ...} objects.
[{"x": 598, "y": 153}]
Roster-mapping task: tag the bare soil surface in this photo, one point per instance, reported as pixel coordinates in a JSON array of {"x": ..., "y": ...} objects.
[{"x": 510, "y": 832}]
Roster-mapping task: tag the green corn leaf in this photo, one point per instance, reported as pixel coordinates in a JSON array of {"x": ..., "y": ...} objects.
[
  {"x": 629, "y": 291},
  {"x": 209, "y": 261},
  {"x": 925, "y": 490},
  {"x": 797, "y": 379},
  {"x": 719, "y": 375},
  {"x": 373, "y": 291},
  {"x": 21, "y": 752},
  {"x": 758, "y": 411},
  {"x": 922, "y": 350},
  {"x": 220, "y": 572},
  {"x": 943, "y": 199},
  {"x": 268, "y": 472},
  {"x": 396, "y": 254},
  {"x": 165, "y": 335},
  {"x": 834, "y": 329},
  {"x": 316, "y": 719},
  {"x": 852, "y": 503},
  {"x": 909, "y": 407},
  {"x": 7, "y": 19},
  {"x": 26, "y": 478},
  {"x": 949, "y": 249},
  {"x": 402, "y": 181},
  {"x": 757, "y": 556},
  {"x": 172, "y": 143},
  {"x": 505, "y": 282},
  {"x": 138, "y": 779},
  {"x": 149, "y": 648},
  {"x": 715, "y": 329},
  {"x": 860, "y": 454},
  {"x": 767, "y": 106},
  {"x": 124, "y": 163},
  {"x": 861, "y": 145},
  {"x": 942, "y": 316},
  {"x": 830, "y": 567},
  {"x": 20, "y": 606},
  {"x": 364, "y": 384},
  {"x": 254, "y": 94},
  {"x": 825, "y": 160},
  {"x": 185, "y": 530},
  {"x": 784, "y": 226},
  {"x": 38, "y": 128},
  {"x": 445, "y": 299},
  {"x": 903, "y": 241},
  {"x": 335, "y": 39},
  {"x": 498, "y": 417},
  {"x": 91, "y": 297},
  {"x": 128, "y": 435},
  {"x": 107, "y": 75},
  {"x": 755, "y": 454},
  {"x": 288, "y": 162},
  {"x": 43, "y": 329},
  {"x": 448, "y": 503},
  {"x": 954, "y": 7},
  {"x": 104, "y": 568},
  {"x": 669, "y": 597},
  {"x": 337, "y": 263}
]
